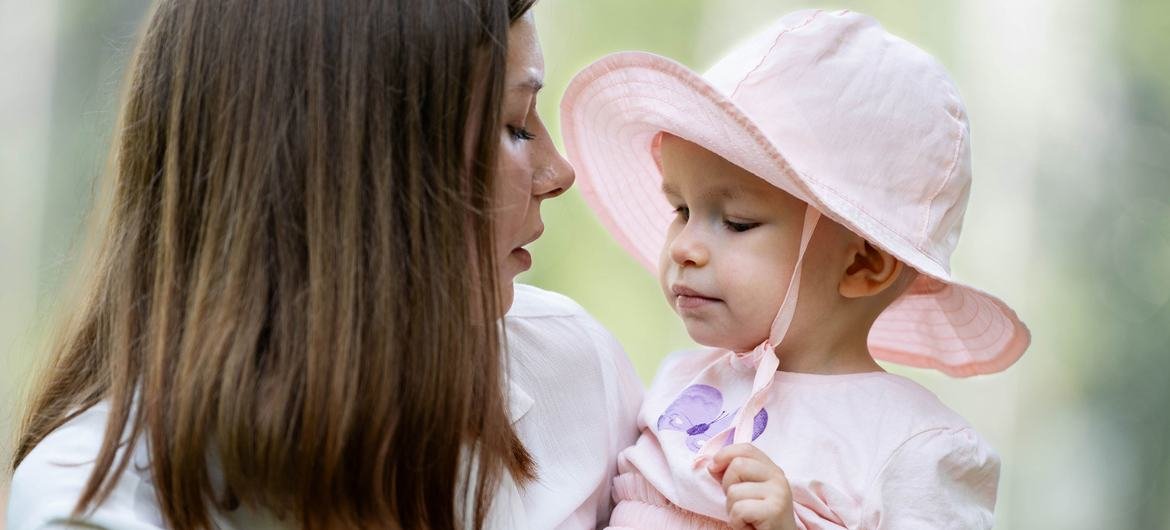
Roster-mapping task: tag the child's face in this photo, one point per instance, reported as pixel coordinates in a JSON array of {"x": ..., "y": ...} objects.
[{"x": 730, "y": 250}]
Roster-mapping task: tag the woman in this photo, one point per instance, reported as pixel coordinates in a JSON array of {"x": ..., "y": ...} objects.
[{"x": 316, "y": 216}]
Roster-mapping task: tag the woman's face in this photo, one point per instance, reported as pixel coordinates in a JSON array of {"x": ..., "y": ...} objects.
[{"x": 529, "y": 168}]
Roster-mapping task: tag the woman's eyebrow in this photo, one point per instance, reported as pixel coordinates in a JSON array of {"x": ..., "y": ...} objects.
[{"x": 533, "y": 83}]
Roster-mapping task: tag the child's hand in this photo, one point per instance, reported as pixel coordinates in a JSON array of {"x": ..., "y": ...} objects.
[{"x": 758, "y": 496}]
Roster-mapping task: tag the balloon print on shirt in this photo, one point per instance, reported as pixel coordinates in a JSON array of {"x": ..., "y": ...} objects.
[{"x": 698, "y": 411}]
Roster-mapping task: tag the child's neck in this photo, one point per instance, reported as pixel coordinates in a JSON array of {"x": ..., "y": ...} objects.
[{"x": 847, "y": 354}]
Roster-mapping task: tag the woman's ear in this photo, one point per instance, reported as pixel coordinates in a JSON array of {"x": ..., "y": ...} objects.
[{"x": 871, "y": 271}]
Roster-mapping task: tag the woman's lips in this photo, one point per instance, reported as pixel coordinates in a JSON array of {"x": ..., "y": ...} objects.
[
  {"x": 521, "y": 255},
  {"x": 535, "y": 235}
]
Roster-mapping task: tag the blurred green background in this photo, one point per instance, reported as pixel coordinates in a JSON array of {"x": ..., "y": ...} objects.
[{"x": 1069, "y": 218}]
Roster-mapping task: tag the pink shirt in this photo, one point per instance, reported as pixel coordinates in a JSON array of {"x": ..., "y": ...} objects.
[{"x": 868, "y": 450}]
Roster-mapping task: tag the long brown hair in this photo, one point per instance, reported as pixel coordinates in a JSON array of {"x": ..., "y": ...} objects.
[{"x": 282, "y": 286}]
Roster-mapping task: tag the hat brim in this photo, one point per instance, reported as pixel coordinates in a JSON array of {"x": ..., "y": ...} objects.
[{"x": 610, "y": 115}]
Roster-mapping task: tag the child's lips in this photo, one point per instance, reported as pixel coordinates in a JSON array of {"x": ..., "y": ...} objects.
[
  {"x": 694, "y": 302},
  {"x": 687, "y": 298}
]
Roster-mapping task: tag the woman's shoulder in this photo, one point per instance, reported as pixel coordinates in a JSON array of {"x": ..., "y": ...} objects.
[
  {"x": 549, "y": 330},
  {"x": 534, "y": 302},
  {"x": 48, "y": 482},
  {"x": 550, "y": 325}
]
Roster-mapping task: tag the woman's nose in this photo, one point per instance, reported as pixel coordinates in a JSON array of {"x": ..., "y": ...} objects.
[
  {"x": 555, "y": 178},
  {"x": 688, "y": 250}
]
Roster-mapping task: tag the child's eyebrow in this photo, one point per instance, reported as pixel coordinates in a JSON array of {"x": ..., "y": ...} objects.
[
  {"x": 727, "y": 192},
  {"x": 718, "y": 192}
]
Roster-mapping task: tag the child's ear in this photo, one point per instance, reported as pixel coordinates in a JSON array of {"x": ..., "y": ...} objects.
[{"x": 871, "y": 270}]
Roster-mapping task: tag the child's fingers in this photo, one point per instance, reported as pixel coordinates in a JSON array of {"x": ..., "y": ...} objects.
[
  {"x": 753, "y": 513},
  {"x": 743, "y": 491},
  {"x": 746, "y": 469},
  {"x": 775, "y": 498},
  {"x": 727, "y": 454}
]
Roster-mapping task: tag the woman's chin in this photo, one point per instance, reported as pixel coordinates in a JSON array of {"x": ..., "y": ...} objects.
[{"x": 520, "y": 259}]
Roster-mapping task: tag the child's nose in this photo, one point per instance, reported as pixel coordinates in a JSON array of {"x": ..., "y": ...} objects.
[{"x": 687, "y": 249}]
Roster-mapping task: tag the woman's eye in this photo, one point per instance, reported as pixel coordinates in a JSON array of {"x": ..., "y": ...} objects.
[
  {"x": 740, "y": 227},
  {"x": 520, "y": 133},
  {"x": 682, "y": 212}
]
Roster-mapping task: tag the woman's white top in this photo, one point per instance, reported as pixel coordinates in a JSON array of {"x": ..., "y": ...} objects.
[{"x": 573, "y": 399}]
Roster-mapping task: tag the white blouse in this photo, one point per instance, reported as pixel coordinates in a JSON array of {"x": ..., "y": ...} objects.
[{"x": 573, "y": 399}]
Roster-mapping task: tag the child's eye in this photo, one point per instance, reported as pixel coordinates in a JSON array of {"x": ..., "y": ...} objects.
[
  {"x": 683, "y": 212},
  {"x": 740, "y": 227},
  {"x": 520, "y": 133}
]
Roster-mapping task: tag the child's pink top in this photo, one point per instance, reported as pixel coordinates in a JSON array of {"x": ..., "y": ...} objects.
[{"x": 868, "y": 450}]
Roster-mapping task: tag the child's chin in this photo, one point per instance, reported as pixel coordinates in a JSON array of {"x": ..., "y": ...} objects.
[
  {"x": 707, "y": 339},
  {"x": 711, "y": 340}
]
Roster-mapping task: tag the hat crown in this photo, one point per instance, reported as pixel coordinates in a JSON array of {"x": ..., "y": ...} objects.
[{"x": 862, "y": 115}]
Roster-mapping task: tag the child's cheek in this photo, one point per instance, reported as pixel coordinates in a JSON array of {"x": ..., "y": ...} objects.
[{"x": 664, "y": 265}]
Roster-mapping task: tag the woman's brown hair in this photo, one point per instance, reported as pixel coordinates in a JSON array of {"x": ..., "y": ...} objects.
[{"x": 282, "y": 285}]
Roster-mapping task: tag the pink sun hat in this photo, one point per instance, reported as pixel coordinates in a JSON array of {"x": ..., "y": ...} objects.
[{"x": 863, "y": 126}]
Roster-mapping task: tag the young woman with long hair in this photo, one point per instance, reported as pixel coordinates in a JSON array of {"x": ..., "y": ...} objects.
[{"x": 312, "y": 227}]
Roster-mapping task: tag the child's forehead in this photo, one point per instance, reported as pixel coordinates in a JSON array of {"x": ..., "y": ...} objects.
[
  {"x": 687, "y": 164},
  {"x": 722, "y": 183}
]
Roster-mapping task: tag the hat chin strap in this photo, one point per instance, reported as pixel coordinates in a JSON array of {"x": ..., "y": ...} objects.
[{"x": 767, "y": 362}]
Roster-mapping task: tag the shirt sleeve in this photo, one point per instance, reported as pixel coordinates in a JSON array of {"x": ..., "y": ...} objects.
[
  {"x": 47, "y": 484},
  {"x": 628, "y": 393},
  {"x": 624, "y": 394},
  {"x": 937, "y": 479}
]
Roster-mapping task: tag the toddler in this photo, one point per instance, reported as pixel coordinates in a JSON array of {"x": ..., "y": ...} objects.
[{"x": 799, "y": 203}]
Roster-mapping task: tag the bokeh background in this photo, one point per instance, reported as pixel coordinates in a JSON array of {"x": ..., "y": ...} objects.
[{"x": 1069, "y": 218}]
